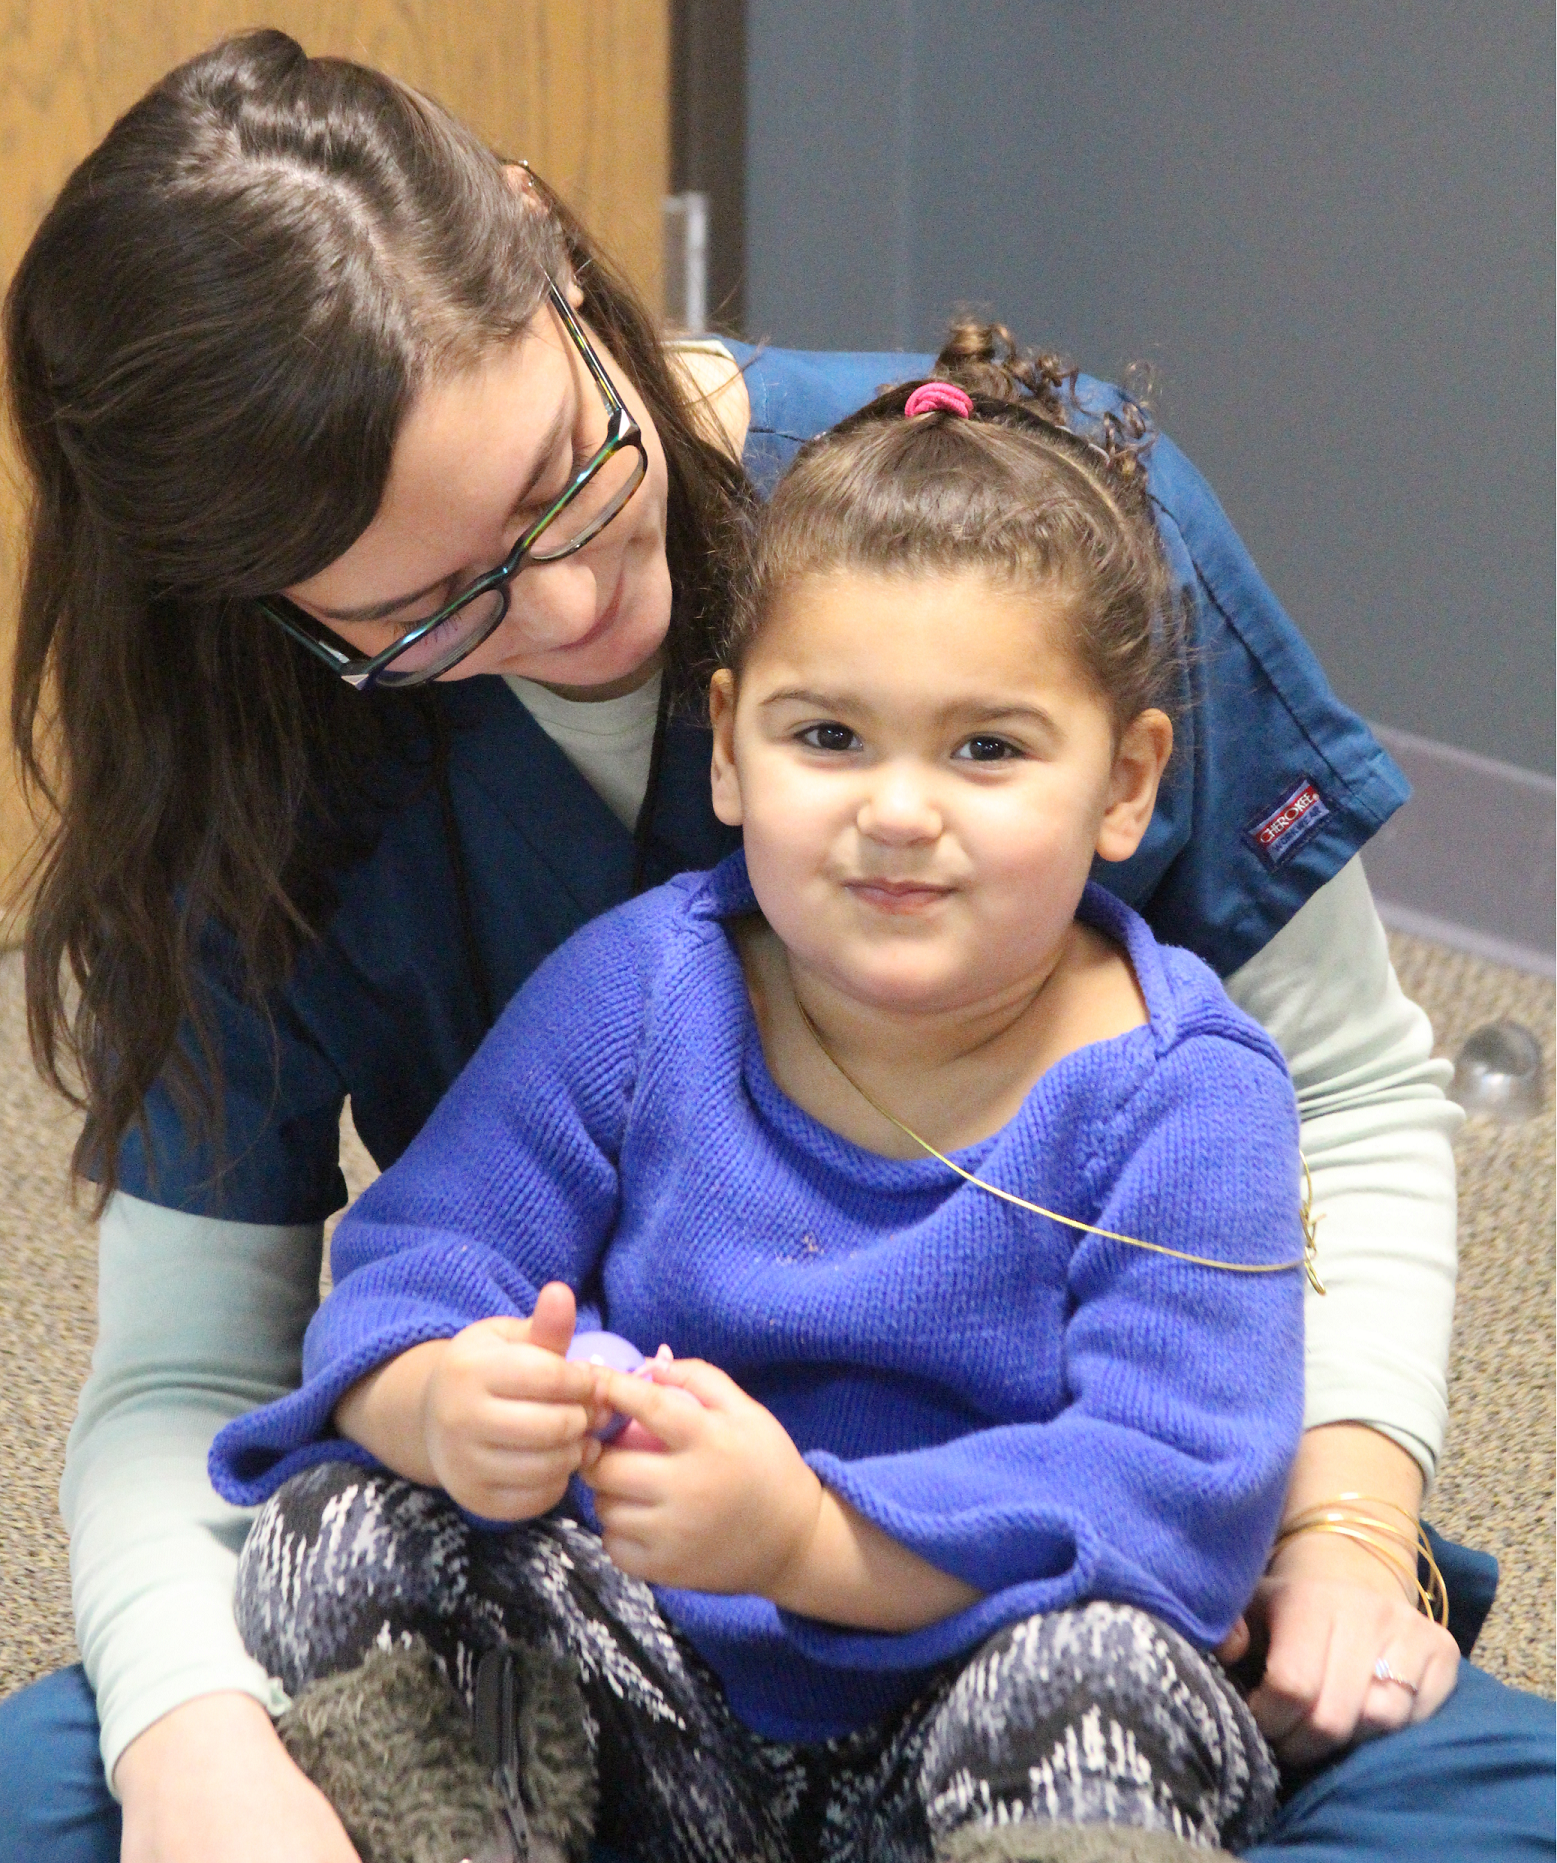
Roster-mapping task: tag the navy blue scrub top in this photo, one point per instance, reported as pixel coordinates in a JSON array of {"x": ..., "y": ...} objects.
[{"x": 1274, "y": 785}]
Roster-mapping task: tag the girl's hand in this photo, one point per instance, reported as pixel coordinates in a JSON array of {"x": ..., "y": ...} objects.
[
  {"x": 495, "y": 1416},
  {"x": 1328, "y": 1619},
  {"x": 505, "y": 1417},
  {"x": 727, "y": 1506},
  {"x": 211, "y": 1783}
]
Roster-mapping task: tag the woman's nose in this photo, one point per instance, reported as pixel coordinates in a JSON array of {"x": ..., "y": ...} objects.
[
  {"x": 556, "y": 603},
  {"x": 898, "y": 809}
]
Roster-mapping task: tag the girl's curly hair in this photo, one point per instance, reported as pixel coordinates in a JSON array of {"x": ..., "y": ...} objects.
[{"x": 1033, "y": 489}]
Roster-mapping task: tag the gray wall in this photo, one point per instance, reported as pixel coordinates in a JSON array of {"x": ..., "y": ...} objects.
[{"x": 1326, "y": 223}]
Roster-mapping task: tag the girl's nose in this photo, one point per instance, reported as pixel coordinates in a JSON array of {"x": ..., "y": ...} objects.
[{"x": 898, "y": 811}]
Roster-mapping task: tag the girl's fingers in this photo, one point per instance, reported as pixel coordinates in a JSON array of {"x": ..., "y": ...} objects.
[
  {"x": 668, "y": 1412},
  {"x": 714, "y": 1389},
  {"x": 509, "y": 1424},
  {"x": 525, "y": 1371},
  {"x": 631, "y": 1476},
  {"x": 510, "y": 1468}
]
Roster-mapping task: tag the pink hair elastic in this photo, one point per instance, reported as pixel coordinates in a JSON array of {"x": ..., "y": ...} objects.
[{"x": 938, "y": 398}]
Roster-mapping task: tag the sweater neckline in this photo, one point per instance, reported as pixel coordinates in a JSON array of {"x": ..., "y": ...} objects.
[{"x": 726, "y": 894}]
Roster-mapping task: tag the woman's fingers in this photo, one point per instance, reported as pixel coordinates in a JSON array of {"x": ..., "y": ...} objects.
[
  {"x": 1422, "y": 1667},
  {"x": 1235, "y": 1645},
  {"x": 1345, "y": 1664},
  {"x": 1295, "y": 1670}
]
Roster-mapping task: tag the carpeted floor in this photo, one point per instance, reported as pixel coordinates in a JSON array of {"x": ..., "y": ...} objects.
[{"x": 1495, "y": 1491}]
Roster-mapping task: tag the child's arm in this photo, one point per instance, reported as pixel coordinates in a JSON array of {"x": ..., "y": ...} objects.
[
  {"x": 730, "y": 1506},
  {"x": 495, "y": 1416},
  {"x": 510, "y": 1185}
]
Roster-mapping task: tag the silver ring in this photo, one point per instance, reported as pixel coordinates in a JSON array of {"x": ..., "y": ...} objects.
[{"x": 1383, "y": 1673}]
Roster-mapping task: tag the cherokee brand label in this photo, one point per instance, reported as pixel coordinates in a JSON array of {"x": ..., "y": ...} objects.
[{"x": 1276, "y": 837}]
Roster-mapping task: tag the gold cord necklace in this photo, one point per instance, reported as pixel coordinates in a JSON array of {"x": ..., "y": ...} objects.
[{"x": 1306, "y": 1261}]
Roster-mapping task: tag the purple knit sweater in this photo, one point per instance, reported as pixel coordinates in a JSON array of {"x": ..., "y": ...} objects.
[{"x": 1048, "y": 1415}]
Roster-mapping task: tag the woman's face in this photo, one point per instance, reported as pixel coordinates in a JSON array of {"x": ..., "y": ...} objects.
[{"x": 479, "y": 457}]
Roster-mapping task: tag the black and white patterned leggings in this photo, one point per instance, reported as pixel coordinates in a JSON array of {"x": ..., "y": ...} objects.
[{"x": 1095, "y": 1715}]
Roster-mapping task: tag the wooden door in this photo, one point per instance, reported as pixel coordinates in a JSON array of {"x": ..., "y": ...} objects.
[{"x": 578, "y": 88}]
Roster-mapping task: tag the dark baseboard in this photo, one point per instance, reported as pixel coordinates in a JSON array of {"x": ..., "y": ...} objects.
[{"x": 1471, "y": 860}]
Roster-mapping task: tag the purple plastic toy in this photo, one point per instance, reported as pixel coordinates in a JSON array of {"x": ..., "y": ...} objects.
[{"x": 617, "y": 1354}]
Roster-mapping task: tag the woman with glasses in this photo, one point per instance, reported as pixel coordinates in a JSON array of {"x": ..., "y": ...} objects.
[{"x": 377, "y": 546}]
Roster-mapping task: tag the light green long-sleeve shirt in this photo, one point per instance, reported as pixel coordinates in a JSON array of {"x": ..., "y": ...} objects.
[{"x": 201, "y": 1320}]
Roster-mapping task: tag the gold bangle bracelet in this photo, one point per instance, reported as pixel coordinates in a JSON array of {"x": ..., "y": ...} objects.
[{"x": 1346, "y": 1519}]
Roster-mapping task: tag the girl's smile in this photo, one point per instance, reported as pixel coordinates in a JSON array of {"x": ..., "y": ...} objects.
[{"x": 897, "y": 896}]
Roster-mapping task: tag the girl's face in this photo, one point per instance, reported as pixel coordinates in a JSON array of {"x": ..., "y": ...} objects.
[
  {"x": 923, "y": 775},
  {"x": 479, "y": 457}
]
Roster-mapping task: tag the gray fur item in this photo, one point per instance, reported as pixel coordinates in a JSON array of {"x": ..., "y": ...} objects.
[
  {"x": 1032, "y": 1842},
  {"x": 390, "y": 1745}
]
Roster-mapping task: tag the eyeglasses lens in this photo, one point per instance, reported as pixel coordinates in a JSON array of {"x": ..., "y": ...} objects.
[
  {"x": 594, "y": 507},
  {"x": 449, "y": 641}
]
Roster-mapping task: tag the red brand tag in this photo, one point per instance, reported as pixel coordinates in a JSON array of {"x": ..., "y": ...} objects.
[{"x": 1276, "y": 837}]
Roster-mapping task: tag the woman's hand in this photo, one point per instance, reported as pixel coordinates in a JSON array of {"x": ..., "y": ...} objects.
[
  {"x": 495, "y": 1416},
  {"x": 1328, "y": 1622},
  {"x": 211, "y": 1783},
  {"x": 728, "y": 1504},
  {"x": 1328, "y": 1611}
]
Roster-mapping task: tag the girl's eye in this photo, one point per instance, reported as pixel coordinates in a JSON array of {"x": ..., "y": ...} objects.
[
  {"x": 986, "y": 750},
  {"x": 833, "y": 737}
]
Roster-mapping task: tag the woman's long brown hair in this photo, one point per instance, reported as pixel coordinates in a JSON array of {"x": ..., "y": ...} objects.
[{"x": 211, "y": 344}]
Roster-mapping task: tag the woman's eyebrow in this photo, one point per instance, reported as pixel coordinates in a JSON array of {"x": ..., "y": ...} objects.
[{"x": 381, "y": 611}]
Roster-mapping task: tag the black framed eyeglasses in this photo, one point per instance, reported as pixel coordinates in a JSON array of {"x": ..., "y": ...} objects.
[{"x": 594, "y": 495}]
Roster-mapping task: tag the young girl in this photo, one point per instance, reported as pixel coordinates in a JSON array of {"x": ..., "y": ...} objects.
[{"x": 968, "y": 1211}]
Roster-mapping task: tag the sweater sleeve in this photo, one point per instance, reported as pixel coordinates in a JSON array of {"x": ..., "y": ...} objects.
[
  {"x": 1160, "y": 1480},
  {"x": 511, "y": 1183},
  {"x": 1377, "y": 1133}
]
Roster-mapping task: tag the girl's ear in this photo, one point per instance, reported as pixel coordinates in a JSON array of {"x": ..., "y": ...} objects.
[
  {"x": 726, "y": 782},
  {"x": 1144, "y": 749}
]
